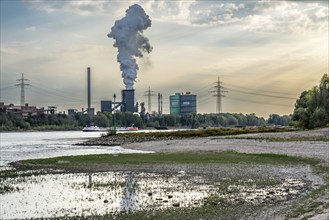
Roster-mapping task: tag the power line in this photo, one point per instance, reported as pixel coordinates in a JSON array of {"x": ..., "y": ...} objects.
[
  {"x": 257, "y": 102},
  {"x": 258, "y": 94},
  {"x": 45, "y": 92},
  {"x": 22, "y": 84},
  {"x": 259, "y": 90},
  {"x": 219, "y": 90},
  {"x": 149, "y": 94}
]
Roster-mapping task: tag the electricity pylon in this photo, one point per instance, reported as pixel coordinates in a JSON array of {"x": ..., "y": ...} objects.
[
  {"x": 219, "y": 90},
  {"x": 22, "y": 83}
]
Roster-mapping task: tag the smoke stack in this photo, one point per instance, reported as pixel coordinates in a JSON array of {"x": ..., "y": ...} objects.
[
  {"x": 88, "y": 85},
  {"x": 128, "y": 100}
]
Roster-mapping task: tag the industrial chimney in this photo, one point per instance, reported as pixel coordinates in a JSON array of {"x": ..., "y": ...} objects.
[
  {"x": 128, "y": 100},
  {"x": 88, "y": 86},
  {"x": 90, "y": 111}
]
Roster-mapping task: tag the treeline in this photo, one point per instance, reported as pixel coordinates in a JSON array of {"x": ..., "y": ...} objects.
[
  {"x": 311, "y": 111},
  {"x": 11, "y": 121},
  {"x": 312, "y": 107}
]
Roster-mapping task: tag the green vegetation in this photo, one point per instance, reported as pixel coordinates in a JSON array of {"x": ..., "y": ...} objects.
[
  {"x": 312, "y": 107},
  {"x": 226, "y": 157},
  {"x": 311, "y": 201},
  {"x": 11, "y": 121},
  {"x": 216, "y": 206},
  {"x": 206, "y": 212},
  {"x": 311, "y": 111},
  {"x": 7, "y": 189},
  {"x": 205, "y": 132}
]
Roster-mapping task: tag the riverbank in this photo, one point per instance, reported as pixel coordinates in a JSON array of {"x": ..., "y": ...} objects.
[
  {"x": 256, "y": 183},
  {"x": 241, "y": 186},
  {"x": 141, "y": 137}
]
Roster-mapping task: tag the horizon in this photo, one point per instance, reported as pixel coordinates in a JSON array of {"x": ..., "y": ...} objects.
[{"x": 265, "y": 53}]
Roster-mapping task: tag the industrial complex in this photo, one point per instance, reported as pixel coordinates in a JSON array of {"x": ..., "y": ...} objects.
[{"x": 179, "y": 103}]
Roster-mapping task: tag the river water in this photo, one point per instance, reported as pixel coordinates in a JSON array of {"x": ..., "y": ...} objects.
[
  {"x": 86, "y": 194},
  {"x": 32, "y": 145}
]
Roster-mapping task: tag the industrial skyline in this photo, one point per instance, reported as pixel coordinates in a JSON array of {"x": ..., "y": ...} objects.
[{"x": 265, "y": 52}]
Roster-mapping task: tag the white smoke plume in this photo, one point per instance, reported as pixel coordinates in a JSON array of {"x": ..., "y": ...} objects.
[{"x": 128, "y": 35}]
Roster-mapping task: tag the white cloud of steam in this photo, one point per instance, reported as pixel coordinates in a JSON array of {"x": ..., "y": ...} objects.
[{"x": 128, "y": 35}]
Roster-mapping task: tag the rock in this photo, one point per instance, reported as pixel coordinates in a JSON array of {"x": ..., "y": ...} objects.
[
  {"x": 176, "y": 204},
  {"x": 106, "y": 201}
]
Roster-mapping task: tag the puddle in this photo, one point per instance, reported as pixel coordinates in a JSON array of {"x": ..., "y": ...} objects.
[
  {"x": 60, "y": 195},
  {"x": 57, "y": 195}
]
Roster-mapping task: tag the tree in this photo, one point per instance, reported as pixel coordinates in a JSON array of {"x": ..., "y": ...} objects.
[
  {"x": 312, "y": 107},
  {"x": 101, "y": 120}
]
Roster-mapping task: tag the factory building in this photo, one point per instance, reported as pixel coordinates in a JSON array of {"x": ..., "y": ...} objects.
[
  {"x": 181, "y": 104},
  {"x": 174, "y": 104},
  {"x": 106, "y": 106}
]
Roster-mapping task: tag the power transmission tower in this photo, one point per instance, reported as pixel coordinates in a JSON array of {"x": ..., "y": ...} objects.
[
  {"x": 22, "y": 84},
  {"x": 219, "y": 90},
  {"x": 149, "y": 94}
]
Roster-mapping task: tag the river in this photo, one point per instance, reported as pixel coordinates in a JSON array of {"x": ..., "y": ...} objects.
[{"x": 32, "y": 145}]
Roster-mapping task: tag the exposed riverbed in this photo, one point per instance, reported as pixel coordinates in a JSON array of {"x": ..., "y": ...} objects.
[{"x": 125, "y": 188}]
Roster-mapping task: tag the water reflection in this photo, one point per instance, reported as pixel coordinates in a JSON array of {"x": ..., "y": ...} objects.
[
  {"x": 129, "y": 197},
  {"x": 56, "y": 195}
]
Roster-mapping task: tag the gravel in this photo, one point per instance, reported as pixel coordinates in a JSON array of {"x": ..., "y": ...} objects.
[
  {"x": 314, "y": 149},
  {"x": 246, "y": 144}
]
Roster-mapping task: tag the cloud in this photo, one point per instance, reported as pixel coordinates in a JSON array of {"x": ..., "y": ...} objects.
[
  {"x": 262, "y": 16},
  {"x": 82, "y": 8},
  {"x": 259, "y": 16},
  {"x": 9, "y": 51},
  {"x": 31, "y": 28}
]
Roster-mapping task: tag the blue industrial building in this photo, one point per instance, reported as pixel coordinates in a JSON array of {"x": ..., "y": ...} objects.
[{"x": 181, "y": 104}]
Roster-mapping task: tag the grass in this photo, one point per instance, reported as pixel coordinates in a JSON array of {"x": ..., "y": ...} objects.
[
  {"x": 207, "y": 132},
  {"x": 226, "y": 211},
  {"x": 7, "y": 189},
  {"x": 310, "y": 202},
  {"x": 226, "y": 157}
]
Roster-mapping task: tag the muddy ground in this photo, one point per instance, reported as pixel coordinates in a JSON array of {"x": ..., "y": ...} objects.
[
  {"x": 247, "y": 143},
  {"x": 257, "y": 143}
]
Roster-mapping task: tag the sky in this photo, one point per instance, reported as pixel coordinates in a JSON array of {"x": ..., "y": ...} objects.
[{"x": 264, "y": 52}]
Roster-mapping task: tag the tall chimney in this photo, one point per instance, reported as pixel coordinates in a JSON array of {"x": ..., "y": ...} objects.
[
  {"x": 88, "y": 84},
  {"x": 128, "y": 100}
]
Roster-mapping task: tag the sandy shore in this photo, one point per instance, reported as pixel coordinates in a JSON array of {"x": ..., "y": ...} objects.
[{"x": 314, "y": 149}]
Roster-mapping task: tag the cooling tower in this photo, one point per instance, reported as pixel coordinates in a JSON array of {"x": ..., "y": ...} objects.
[{"x": 128, "y": 100}]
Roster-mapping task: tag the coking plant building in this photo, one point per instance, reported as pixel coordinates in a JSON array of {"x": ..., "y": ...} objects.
[{"x": 181, "y": 104}]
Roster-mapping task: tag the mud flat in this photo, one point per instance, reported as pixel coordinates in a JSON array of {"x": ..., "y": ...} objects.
[{"x": 212, "y": 178}]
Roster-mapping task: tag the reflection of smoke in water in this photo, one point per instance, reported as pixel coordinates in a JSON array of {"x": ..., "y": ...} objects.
[
  {"x": 128, "y": 202},
  {"x": 127, "y": 33}
]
